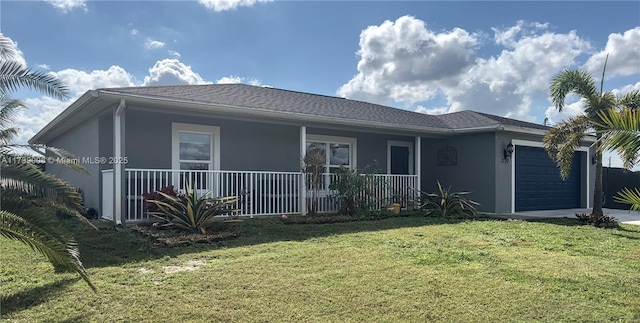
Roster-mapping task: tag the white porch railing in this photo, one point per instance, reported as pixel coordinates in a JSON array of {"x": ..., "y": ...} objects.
[{"x": 260, "y": 192}]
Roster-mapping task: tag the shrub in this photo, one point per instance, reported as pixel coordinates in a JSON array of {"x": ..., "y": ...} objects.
[
  {"x": 158, "y": 196},
  {"x": 605, "y": 221},
  {"x": 188, "y": 211},
  {"x": 352, "y": 191},
  {"x": 446, "y": 203}
]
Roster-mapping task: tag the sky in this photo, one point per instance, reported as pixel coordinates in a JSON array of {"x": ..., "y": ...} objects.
[{"x": 427, "y": 56}]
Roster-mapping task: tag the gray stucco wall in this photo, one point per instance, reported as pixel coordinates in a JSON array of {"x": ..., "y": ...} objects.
[
  {"x": 243, "y": 145},
  {"x": 82, "y": 142},
  {"x": 474, "y": 171}
]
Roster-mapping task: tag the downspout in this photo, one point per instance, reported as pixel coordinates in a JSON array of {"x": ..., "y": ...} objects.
[
  {"x": 303, "y": 183},
  {"x": 418, "y": 163},
  {"x": 118, "y": 168}
]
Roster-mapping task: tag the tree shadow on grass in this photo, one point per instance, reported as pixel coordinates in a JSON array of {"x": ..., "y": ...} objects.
[
  {"x": 33, "y": 296},
  {"x": 108, "y": 247}
]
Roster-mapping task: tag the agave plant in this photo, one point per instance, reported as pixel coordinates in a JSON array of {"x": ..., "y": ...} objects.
[
  {"x": 189, "y": 211},
  {"x": 444, "y": 202}
]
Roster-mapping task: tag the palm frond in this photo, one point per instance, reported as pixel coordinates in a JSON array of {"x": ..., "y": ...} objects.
[
  {"x": 9, "y": 110},
  {"x": 34, "y": 228},
  {"x": 562, "y": 140},
  {"x": 14, "y": 76},
  {"x": 29, "y": 179},
  {"x": 630, "y": 100},
  {"x": 569, "y": 81},
  {"x": 620, "y": 131},
  {"x": 629, "y": 196}
]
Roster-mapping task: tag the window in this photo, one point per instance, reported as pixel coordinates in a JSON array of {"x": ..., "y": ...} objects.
[
  {"x": 195, "y": 148},
  {"x": 338, "y": 151}
]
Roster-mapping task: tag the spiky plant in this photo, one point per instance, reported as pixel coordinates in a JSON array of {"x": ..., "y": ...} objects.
[
  {"x": 189, "y": 211},
  {"x": 445, "y": 201}
]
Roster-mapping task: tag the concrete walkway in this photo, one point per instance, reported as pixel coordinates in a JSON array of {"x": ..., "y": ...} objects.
[{"x": 623, "y": 216}]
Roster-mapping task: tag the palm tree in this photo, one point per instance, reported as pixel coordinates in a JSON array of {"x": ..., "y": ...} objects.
[
  {"x": 562, "y": 140},
  {"x": 30, "y": 198},
  {"x": 621, "y": 133}
]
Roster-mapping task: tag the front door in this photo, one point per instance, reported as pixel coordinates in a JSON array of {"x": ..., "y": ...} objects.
[{"x": 399, "y": 160}]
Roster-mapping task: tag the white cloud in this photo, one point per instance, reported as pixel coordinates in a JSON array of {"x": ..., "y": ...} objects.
[
  {"x": 41, "y": 110},
  {"x": 134, "y": 32},
  {"x": 68, "y": 5},
  {"x": 43, "y": 66},
  {"x": 507, "y": 85},
  {"x": 80, "y": 81},
  {"x": 237, "y": 79},
  {"x": 172, "y": 72},
  {"x": 624, "y": 55},
  {"x": 407, "y": 63},
  {"x": 174, "y": 54},
  {"x": 434, "y": 111},
  {"x": 11, "y": 51},
  {"x": 153, "y": 44},
  {"x": 224, "y": 5},
  {"x": 404, "y": 61}
]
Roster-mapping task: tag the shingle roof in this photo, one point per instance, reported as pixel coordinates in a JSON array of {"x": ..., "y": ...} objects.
[
  {"x": 514, "y": 122},
  {"x": 255, "y": 97},
  {"x": 245, "y": 96}
]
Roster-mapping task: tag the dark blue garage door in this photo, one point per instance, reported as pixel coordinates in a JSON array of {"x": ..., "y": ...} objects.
[{"x": 538, "y": 182}]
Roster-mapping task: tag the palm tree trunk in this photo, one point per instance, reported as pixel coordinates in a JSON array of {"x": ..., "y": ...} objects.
[{"x": 597, "y": 190}]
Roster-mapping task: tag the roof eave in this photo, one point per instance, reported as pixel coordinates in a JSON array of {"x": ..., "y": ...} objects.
[
  {"x": 83, "y": 100},
  {"x": 173, "y": 104}
]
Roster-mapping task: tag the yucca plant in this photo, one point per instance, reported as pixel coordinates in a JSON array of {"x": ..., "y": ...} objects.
[
  {"x": 445, "y": 202},
  {"x": 189, "y": 211}
]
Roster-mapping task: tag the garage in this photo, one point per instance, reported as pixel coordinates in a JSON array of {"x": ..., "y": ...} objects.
[{"x": 538, "y": 182}]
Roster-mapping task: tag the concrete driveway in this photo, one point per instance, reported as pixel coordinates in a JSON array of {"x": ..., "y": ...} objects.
[{"x": 623, "y": 216}]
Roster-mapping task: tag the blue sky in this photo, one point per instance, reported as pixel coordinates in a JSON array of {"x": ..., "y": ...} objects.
[{"x": 433, "y": 57}]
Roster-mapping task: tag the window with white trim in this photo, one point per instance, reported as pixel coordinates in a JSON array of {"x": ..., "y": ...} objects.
[
  {"x": 338, "y": 151},
  {"x": 195, "y": 148}
]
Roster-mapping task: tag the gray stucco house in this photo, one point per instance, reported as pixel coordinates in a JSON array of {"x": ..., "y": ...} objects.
[{"x": 243, "y": 139}]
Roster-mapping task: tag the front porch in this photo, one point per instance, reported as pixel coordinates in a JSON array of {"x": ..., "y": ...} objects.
[{"x": 260, "y": 192}]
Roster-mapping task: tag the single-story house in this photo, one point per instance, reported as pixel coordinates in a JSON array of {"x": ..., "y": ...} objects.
[{"x": 243, "y": 139}]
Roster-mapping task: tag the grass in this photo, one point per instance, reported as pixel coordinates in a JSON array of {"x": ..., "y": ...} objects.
[{"x": 396, "y": 269}]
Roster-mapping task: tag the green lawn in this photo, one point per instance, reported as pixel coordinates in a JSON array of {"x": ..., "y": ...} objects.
[{"x": 398, "y": 269}]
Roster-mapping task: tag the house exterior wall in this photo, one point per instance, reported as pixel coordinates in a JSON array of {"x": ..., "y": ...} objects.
[
  {"x": 80, "y": 141},
  {"x": 243, "y": 145},
  {"x": 474, "y": 170}
]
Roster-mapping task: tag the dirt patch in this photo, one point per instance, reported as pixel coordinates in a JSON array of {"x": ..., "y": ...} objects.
[{"x": 189, "y": 266}]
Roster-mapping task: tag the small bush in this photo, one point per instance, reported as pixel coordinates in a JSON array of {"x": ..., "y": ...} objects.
[
  {"x": 352, "y": 191},
  {"x": 605, "y": 221}
]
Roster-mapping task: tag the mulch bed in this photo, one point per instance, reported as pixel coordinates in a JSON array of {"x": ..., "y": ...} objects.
[
  {"x": 175, "y": 238},
  {"x": 323, "y": 219}
]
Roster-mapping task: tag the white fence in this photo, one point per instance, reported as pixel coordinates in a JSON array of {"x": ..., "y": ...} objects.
[{"x": 260, "y": 192}]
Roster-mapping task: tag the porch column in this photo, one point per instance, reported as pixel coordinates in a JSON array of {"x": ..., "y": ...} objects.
[
  {"x": 118, "y": 168},
  {"x": 303, "y": 184},
  {"x": 418, "y": 163}
]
